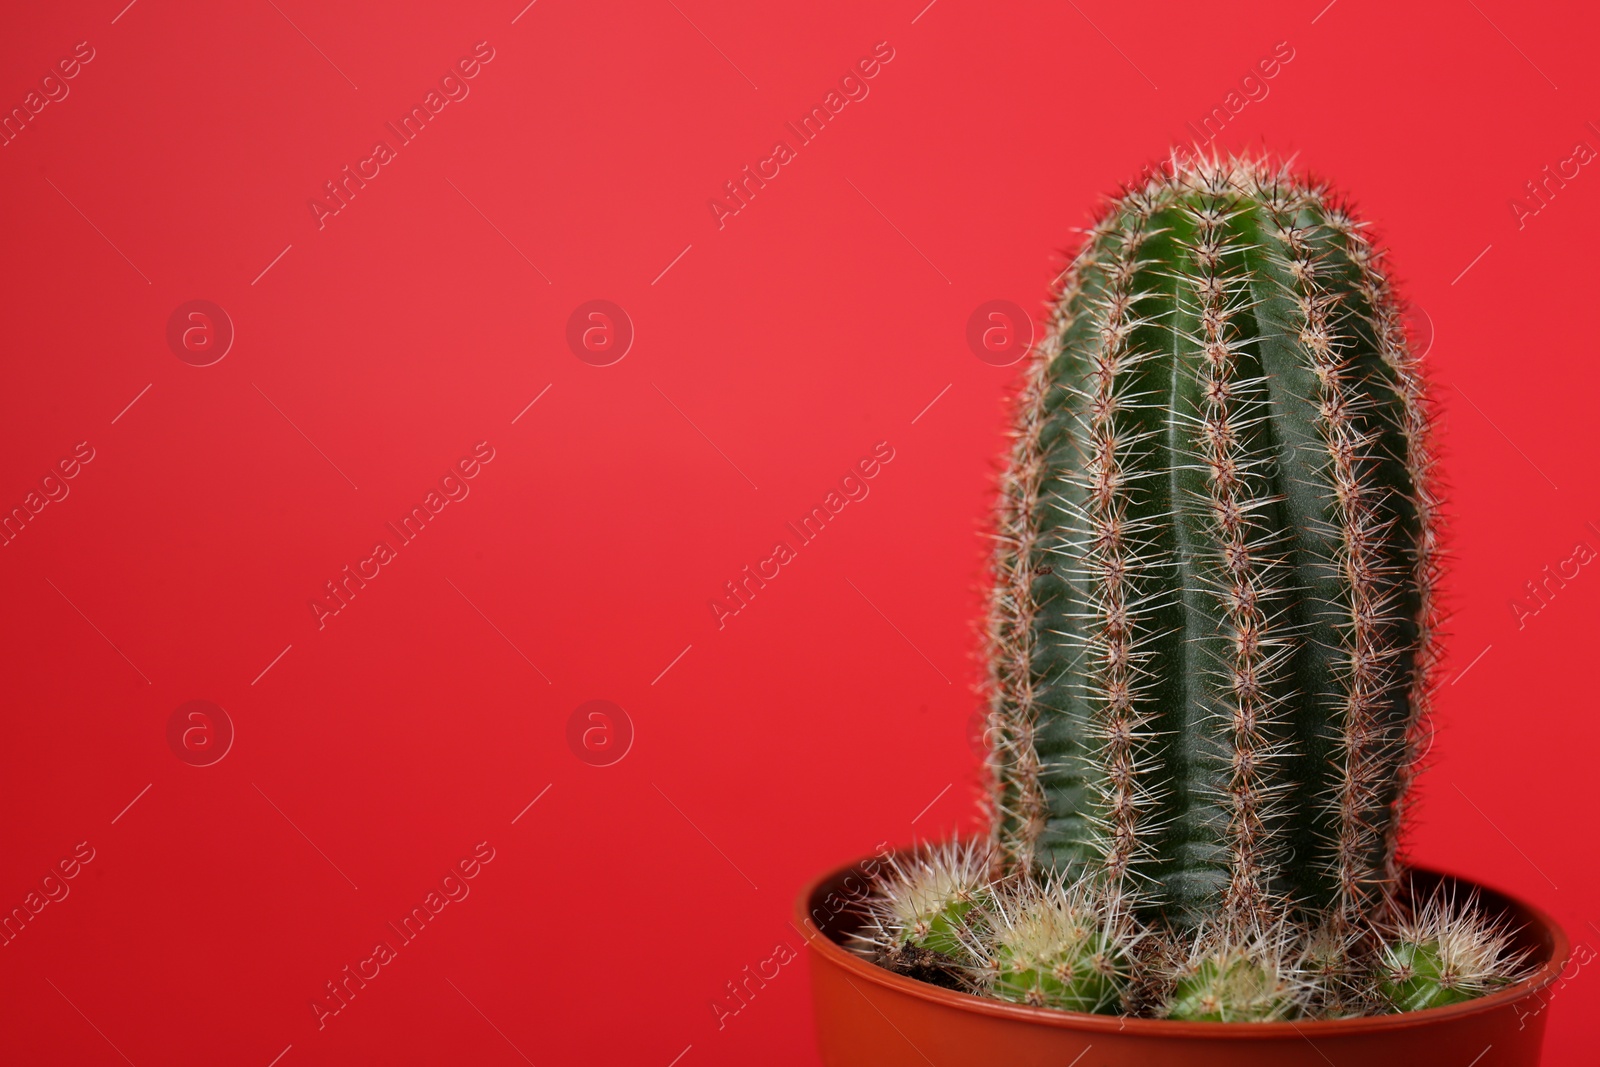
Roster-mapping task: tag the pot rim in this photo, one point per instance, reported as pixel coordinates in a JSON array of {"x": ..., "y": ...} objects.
[{"x": 857, "y": 968}]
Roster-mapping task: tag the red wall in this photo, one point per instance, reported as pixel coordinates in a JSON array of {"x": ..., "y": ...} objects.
[{"x": 773, "y": 349}]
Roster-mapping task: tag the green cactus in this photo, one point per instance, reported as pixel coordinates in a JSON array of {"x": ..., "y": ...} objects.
[
  {"x": 1050, "y": 945},
  {"x": 924, "y": 909},
  {"x": 1229, "y": 977},
  {"x": 1211, "y": 638},
  {"x": 1210, "y": 631},
  {"x": 1444, "y": 955}
]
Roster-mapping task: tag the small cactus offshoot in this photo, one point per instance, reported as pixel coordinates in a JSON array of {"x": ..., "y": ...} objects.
[
  {"x": 1446, "y": 954},
  {"x": 1231, "y": 979},
  {"x": 924, "y": 908},
  {"x": 926, "y": 900},
  {"x": 1212, "y": 636},
  {"x": 1052, "y": 945}
]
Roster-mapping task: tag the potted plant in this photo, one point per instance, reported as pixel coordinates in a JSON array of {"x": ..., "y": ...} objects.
[{"x": 1211, "y": 645}]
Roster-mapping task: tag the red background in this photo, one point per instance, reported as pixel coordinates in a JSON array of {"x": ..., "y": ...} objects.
[{"x": 830, "y": 714}]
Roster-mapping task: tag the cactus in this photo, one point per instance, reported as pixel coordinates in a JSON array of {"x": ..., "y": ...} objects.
[
  {"x": 923, "y": 911},
  {"x": 927, "y": 900},
  {"x": 939, "y": 915},
  {"x": 1051, "y": 945},
  {"x": 1227, "y": 977},
  {"x": 1446, "y": 954},
  {"x": 1212, "y": 633}
]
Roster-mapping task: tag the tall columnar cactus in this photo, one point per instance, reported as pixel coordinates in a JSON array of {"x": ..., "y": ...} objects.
[
  {"x": 1210, "y": 635},
  {"x": 1211, "y": 639}
]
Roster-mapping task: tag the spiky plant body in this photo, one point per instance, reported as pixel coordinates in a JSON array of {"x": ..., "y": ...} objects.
[
  {"x": 1446, "y": 954},
  {"x": 1209, "y": 635},
  {"x": 1418, "y": 974},
  {"x": 930, "y": 899},
  {"x": 1229, "y": 978},
  {"x": 1211, "y": 639},
  {"x": 1332, "y": 966},
  {"x": 1051, "y": 945}
]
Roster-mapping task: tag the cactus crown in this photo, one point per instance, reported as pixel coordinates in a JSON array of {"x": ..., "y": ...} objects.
[{"x": 1210, "y": 636}]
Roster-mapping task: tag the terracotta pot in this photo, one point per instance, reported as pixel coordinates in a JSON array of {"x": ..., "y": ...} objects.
[{"x": 869, "y": 1017}]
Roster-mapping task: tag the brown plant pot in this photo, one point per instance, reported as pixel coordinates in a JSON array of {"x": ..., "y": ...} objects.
[{"x": 869, "y": 1017}]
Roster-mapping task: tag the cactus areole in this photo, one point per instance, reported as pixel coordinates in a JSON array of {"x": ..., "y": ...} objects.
[{"x": 1210, "y": 636}]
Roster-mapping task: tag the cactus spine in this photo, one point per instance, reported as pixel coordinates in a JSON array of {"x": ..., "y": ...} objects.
[{"x": 1211, "y": 630}]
